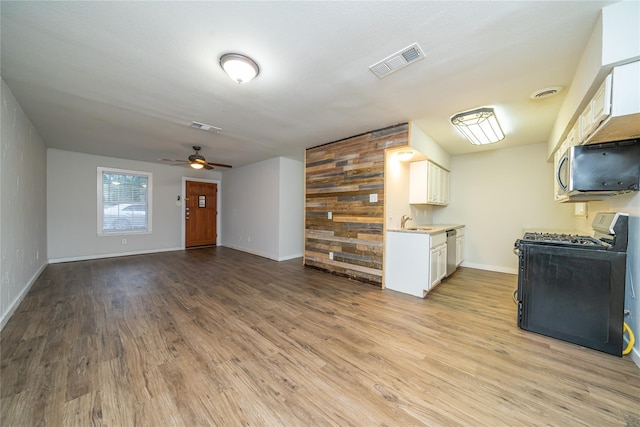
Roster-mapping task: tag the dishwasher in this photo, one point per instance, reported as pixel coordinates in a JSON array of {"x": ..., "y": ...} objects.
[{"x": 451, "y": 252}]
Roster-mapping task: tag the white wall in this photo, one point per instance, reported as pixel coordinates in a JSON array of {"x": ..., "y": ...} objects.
[
  {"x": 72, "y": 207},
  {"x": 291, "y": 207},
  {"x": 23, "y": 222},
  {"x": 396, "y": 190},
  {"x": 422, "y": 142},
  {"x": 253, "y": 204},
  {"x": 497, "y": 194}
]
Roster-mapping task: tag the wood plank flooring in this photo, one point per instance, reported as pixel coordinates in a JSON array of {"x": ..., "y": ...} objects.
[{"x": 214, "y": 336}]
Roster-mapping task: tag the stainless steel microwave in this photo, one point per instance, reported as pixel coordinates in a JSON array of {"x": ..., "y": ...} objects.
[{"x": 598, "y": 171}]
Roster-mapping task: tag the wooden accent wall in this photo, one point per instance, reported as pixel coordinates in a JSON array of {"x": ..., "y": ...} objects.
[{"x": 339, "y": 178}]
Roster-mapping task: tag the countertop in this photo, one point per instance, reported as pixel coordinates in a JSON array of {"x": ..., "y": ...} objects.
[{"x": 427, "y": 228}]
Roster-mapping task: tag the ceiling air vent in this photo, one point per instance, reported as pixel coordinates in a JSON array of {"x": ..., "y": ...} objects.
[
  {"x": 398, "y": 60},
  {"x": 546, "y": 92},
  {"x": 204, "y": 126}
]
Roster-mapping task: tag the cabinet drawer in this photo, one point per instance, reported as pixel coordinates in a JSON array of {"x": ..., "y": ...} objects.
[{"x": 438, "y": 239}]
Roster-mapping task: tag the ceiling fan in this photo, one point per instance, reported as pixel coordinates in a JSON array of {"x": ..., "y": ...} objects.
[{"x": 197, "y": 161}]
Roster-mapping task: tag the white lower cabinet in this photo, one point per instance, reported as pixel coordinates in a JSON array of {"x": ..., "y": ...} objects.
[
  {"x": 438, "y": 265},
  {"x": 459, "y": 246},
  {"x": 434, "y": 261},
  {"x": 414, "y": 262}
]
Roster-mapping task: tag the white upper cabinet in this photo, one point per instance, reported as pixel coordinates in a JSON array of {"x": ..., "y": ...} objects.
[
  {"x": 598, "y": 109},
  {"x": 614, "y": 111},
  {"x": 418, "y": 182},
  {"x": 428, "y": 184}
]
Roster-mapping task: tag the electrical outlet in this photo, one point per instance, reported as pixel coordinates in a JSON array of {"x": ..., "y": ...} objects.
[
  {"x": 124, "y": 241},
  {"x": 330, "y": 255},
  {"x": 329, "y": 215}
]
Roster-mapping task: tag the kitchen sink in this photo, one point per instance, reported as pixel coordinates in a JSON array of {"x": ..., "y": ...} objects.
[{"x": 418, "y": 228}]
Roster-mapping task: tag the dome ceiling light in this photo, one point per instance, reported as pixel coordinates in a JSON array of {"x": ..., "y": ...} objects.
[{"x": 239, "y": 67}]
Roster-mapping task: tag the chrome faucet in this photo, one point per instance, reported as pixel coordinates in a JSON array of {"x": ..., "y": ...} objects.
[{"x": 404, "y": 220}]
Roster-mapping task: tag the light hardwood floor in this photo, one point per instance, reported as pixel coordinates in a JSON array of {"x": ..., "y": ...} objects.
[{"x": 219, "y": 337}]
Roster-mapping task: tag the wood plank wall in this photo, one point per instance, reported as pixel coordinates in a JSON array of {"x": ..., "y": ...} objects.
[{"x": 339, "y": 178}]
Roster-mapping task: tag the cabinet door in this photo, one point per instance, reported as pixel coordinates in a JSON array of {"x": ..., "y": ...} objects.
[
  {"x": 442, "y": 262},
  {"x": 598, "y": 109},
  {"x": 434, "y": 183},
  {"x": 434, "y": 262},
  {"x": 601, "y": 108},
  {"x": 586, "y": 121},
  {"x": 444, "y": 188},
  {"x": 418, "y": 182},
  {"x": 428, "y": 184},
  {"x": 459, "y": 250}
]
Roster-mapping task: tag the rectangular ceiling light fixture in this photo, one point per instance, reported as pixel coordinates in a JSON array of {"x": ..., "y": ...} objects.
[
  {"x": 204, "y": 126},
  {"x": 479, "y": 126},
  {"x": 397, "y": 61}
]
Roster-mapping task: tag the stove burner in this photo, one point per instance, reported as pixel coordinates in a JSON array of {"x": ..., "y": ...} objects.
[{"x": 563, "y": 238}]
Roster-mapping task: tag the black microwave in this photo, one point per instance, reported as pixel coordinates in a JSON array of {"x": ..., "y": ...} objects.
[{"x": 593, "y": 172}]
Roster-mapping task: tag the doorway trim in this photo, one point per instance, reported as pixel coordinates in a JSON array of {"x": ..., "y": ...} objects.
[{"x": 218, "y": 202}]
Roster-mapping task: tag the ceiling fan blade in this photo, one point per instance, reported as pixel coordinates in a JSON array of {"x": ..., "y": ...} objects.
[
  {"x": 208, "y": 167},
  {"x": 222, "y": 165},
  {"x": 174, "y": 161}
]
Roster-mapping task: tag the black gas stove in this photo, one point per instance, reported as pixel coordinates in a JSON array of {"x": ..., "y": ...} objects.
[
  {"x": 610, "y": 233},
  {"x": 571, "y": 287}
]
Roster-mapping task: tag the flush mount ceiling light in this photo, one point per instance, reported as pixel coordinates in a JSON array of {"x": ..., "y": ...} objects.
[
  {"x": 239, "y": 67},
  {"x": 404, "y": 155},
  {"x": 479, "y": 126}
]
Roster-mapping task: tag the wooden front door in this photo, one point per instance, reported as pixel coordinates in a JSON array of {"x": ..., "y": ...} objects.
[{"x": 200, "y": 213}]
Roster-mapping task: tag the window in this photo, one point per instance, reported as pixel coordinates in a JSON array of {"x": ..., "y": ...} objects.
[{"x": 124, "y": 201}]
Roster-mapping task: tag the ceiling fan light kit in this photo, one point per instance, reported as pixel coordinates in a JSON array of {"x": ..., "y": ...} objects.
[
  {"x": 197, "y": 161},
  {"x": 239, "y": 67}
]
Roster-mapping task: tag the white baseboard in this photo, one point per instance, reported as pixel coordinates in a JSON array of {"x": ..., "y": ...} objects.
[
  {"x": 89, "y": 257},
  {"x": 263, "y": 254},
  {"x": 288, "y": 257},
  {"x": 252, "y": 251},
  {"x": 635, "y": 353},
  {"x": 16, "y": 302},
  {"x": 490, "y": 268}
]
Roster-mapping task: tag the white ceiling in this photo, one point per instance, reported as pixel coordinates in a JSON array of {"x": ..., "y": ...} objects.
[{"x": 126, "y": 79}]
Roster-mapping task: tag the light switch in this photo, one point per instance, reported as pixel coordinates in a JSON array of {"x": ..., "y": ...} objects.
[
  {"x": 373, "y": 198},
  {"x": 329, "y": 215}
]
